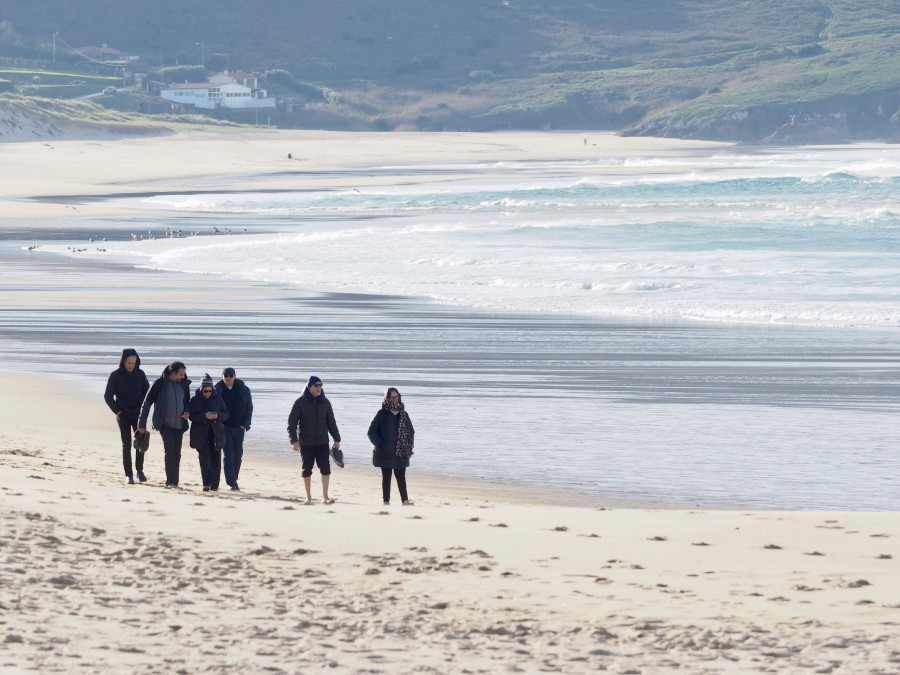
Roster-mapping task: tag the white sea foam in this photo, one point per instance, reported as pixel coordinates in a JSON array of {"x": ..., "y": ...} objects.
[{"x": 769, "y": 237}]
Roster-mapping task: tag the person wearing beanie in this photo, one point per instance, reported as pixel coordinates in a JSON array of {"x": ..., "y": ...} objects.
[
  {"x": 309, "y": 424},
  {"x": 125, "y": 390},
  {"x": 169, "y": 396},
  {"x": 236, "y": 395},
  {"x": 208, "y": 414}
]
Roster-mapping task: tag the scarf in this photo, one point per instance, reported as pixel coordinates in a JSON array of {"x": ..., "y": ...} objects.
[{"x": 404, "y": 437}]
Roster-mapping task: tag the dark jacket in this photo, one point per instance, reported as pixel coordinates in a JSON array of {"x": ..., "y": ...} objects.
[
  {"x": 125, "y": 391},
  {"x": 311, "y": 420},
  {"x": 383, "y": 435},
  {"x": 153, "y": 397},
  {"x": 239, "y": 402},
  {"x": 200, "y": 426}
]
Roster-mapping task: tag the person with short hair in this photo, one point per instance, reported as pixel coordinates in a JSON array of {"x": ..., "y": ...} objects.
[
  {"x": 208, "y": 414},
  {"x": 125, "y": 390},
  {"x": 236, "y": 395},
  {"x": 170, "y": 397},
  {"x": 392, "y": 434},
  {"x": 309, "y": 424}
]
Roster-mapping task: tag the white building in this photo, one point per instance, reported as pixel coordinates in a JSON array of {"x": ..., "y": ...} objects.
[{"x": 223, "y": 90}]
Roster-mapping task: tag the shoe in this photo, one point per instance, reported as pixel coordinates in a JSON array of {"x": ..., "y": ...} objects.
[
  {"x": 328, "y": 501},
  {"x": 129, "y": 480},
  {"x": 170, "y": 486},
  {"x": 234, "y": 487},
  {"x": 338, "y": 457},
  {"x": 206, "y": 488},
  {"x": 387, "y": 504},
  {"x": 141, "y": 476},
  {"x": 406, "y": 502}
]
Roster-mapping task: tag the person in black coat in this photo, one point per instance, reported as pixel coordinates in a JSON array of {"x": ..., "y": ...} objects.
[
  {"x": 392, "y": 434},
  {"x": 236, "y": 395},
  {"x": 169, "y": 396},
  {"x": 125, "y": 391},
  {"x": 208, "y": 413},
  {"x": 310, "y": 422}
]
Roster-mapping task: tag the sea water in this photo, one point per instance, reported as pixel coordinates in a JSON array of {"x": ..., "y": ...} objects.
[{"x": 713, "y": 327}]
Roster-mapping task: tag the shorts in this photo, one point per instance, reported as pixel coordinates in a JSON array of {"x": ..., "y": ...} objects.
[{"x": 317, "y": 454}]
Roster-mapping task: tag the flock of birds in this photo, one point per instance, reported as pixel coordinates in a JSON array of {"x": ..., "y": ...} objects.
[
  {"x": 169, "y": 233},
  {"x": 174, "y": 234}
]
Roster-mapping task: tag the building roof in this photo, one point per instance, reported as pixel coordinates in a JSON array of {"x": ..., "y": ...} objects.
[
  {"x": 236, "y": 75},
  {"x": 192, "y": 85}
]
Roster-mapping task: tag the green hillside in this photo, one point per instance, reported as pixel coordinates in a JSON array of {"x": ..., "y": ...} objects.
[{"x": 761, "y": 71}]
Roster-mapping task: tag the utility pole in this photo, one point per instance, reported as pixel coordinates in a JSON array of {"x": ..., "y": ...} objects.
[{"x": 54, "y": 46}]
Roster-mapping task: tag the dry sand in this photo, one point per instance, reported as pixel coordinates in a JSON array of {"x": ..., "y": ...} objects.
[
  {"x": 72, "y": 169},
  {"x": 96, "y": 576}
]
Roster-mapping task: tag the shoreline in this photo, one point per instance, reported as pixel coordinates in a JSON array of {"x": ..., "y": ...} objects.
[
  {"x": 98, "y": 575},
  {"x": 57, "y": 168}
]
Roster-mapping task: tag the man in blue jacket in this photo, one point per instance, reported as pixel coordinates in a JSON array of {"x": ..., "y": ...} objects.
[{"x": 236, "y": 395}]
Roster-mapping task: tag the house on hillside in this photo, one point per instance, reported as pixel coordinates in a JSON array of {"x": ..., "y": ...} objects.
[{"x": 223, "y": 90}]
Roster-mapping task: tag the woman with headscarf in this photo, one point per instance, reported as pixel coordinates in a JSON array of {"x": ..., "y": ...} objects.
[{"x": 392, "y": 434}]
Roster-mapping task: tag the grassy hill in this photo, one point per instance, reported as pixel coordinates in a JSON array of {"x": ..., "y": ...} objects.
[{"x": 760, "y": 71}]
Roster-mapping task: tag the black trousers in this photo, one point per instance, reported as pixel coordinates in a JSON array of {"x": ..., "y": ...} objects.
[
  {"x": 127, "y": 427},
  {"x": 400, "y": 474},
  {"x": 171, "y": 439},
  {"x": 210, "y": 462}
]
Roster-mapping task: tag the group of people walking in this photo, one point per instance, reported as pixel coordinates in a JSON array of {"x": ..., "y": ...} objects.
[{"x": 220, "y": 413}]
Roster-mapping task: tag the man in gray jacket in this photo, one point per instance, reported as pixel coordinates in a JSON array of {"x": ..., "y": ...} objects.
[
  {"x": 309, "y": 424},
  {"x": 169, "y": 396}
]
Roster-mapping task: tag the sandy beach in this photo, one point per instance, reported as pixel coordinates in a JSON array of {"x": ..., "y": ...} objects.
[
  {"x": 476, "y": 577},
  {"x": 77, "y": 169},
  {"x": 98, "y": 576}
]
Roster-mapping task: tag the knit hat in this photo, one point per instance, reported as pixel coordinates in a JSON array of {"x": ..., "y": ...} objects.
[
  {"x": 313, "y": 380},
  {"x": 207, "y": 381}
]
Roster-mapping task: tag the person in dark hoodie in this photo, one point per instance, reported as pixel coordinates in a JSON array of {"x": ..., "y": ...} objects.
[
  {"x": 169, "y": 396},
  {"x": 310, "y": 422},
  {"x": 125, "y": 391},
  {"x": 208, "y": 413},
  {"x": 236, "y": 395},
  {"x": 392, "y": 434}
]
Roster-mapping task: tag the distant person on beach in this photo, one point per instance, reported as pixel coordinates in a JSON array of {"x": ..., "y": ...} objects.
[
  {"x": 125, "y": 390},
  {"x": 170, "y": 397},
  {"x": 208, "y": 413},
  {"x": 237, "y": 399},
  {"x": 392, "y": 434},
  {"x": 310, "y": 422}
]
